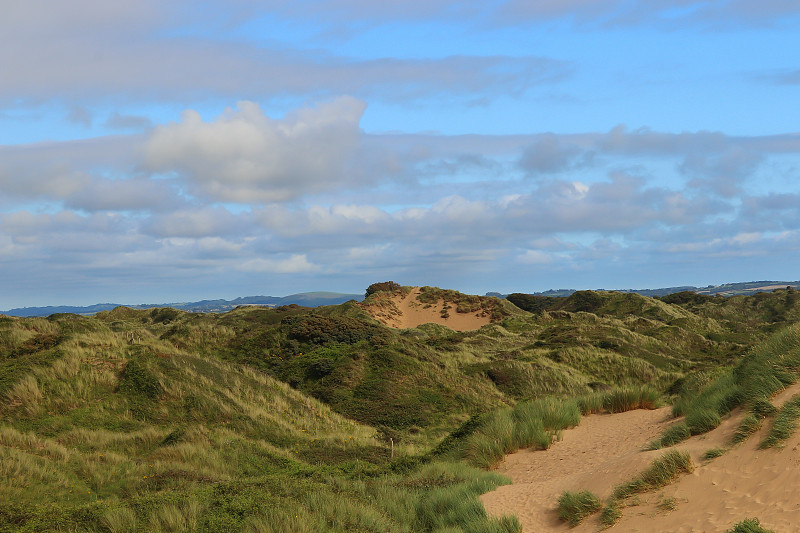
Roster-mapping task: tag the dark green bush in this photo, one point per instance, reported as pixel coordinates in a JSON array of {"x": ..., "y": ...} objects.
[{"x": 385, "y": 286}]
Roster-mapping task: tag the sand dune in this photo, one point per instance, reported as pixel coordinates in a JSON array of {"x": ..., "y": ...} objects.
[
  {"x": 605, "y": 451},
  {"x": 408, "y": 312}
]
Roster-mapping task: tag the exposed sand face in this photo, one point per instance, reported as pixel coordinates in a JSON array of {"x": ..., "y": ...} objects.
[
  {"x": 604, "y": 451},
  {"x": 408, "y": 312}
]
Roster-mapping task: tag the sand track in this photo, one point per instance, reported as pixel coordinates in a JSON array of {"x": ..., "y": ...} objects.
[{"x": 605, "y": 451}]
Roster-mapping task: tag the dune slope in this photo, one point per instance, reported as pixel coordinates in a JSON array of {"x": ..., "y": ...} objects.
[{"x": 604, "y": 451}]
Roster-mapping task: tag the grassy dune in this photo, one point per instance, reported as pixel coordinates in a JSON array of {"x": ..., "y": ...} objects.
[{"x": 296, "y": 419}]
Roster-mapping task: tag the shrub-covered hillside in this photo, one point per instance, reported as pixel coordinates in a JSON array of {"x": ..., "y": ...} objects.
[{"x": 300, "y": 419}]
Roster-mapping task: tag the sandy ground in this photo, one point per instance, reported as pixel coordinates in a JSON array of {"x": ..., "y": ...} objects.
[
  {"x": 408, "y": 312},
  {"x": 605, "y": 451}
]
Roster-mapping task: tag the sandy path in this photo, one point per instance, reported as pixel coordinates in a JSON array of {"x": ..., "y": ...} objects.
[
  {"x": 605, "y": 451},
  {"x": 601, "y": 452}
]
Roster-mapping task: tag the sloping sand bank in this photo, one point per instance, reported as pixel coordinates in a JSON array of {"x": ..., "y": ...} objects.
[
  {"x": 604, "y": 451},
  {"x": 408, "y": 312}
]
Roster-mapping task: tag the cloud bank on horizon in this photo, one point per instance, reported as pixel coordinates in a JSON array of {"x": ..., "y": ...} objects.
[{"x": 155, "y": 151}]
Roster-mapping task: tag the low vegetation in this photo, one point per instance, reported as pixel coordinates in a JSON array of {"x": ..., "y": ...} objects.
[
  {"x": 661, "y": 472},
  {"x": 573, "y": 507},
  {"x": 784, "y": 425},
  {"x": 297, "y": 419},
  {"x": 771, "y": 366},
  {"x": 750, "y": 525}
]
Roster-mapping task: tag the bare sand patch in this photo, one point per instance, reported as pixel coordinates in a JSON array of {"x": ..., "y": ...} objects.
[
  {"x": 604, "y": 451},
  {"x": 405, "y": 311}
]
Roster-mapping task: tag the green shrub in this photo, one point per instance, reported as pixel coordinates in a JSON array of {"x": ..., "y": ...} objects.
[
  {"x": 750, "y": 525},
  {"x": 573, "y": 507},
  {"x": 137, "y": 380},
  {"x": 385, "y": 286}
]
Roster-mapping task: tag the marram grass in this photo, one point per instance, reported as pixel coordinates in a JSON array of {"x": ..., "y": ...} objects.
[{"x": 573, "y": 507}]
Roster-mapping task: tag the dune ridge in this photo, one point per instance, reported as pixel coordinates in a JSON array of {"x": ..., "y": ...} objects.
[{"x": 403, "y": 309}]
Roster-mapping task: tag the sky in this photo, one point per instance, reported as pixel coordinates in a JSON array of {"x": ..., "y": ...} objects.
[{"x": 174, "y": 151}]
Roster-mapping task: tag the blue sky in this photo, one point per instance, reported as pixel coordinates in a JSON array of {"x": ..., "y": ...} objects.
[{"x": 156, "y": 152}]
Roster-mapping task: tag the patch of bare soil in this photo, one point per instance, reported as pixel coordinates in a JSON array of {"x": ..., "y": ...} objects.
[{"x": 405, "y": 311}]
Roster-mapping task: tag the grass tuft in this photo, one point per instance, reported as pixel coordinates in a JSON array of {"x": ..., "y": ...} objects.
[
  {"x": 661, "y": 472},
  {"x": 750, "y": 525},
  {"x": 702, "y": 421},
  {"x": 611, "y": 513},
  {"x": 713, "y": 453},
  {"x": 671, "y": 436},
  {"x": 785, "y": 424},
  {"x": 573, "y": 507},
  {"x": 749, "y": 425}
]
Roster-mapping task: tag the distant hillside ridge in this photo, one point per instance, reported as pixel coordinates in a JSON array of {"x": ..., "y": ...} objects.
[
  {"x": 305, "y": 299},
  {"x": 726, "y": 289}
]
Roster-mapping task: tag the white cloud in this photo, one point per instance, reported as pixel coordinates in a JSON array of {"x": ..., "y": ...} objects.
[
  {"x": 198, "y": 223},
  {"x": 535, "y": 257},
  {"x": 295, "y": 264},
  {"x": 246, "y": 157}
]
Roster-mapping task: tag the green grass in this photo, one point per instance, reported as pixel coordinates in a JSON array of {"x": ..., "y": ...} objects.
[
  {"x": 784, "y": 425},
  {"x": 573, "y": 507},
  {"x": 284, "y": 419},
  {"x": 661, "y": 472},
  {"x": 770, "y": 367},
  {"x": 749, "y": 525},
  {"x": 749, "y": 425},
  {"x": 713, "y": 453},
  {"x": 672, "y": 435},
  {"x": 611, "y": 513}
]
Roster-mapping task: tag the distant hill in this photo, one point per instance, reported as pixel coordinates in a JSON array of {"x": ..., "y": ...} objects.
[
  {"x": 726, "y": 289},
  {"x": 306, "y": 299}
]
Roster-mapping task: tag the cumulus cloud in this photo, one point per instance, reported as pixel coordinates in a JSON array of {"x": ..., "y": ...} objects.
[
  {"x": 246, "y": 157},
  {"x": 121, "y": 205}
]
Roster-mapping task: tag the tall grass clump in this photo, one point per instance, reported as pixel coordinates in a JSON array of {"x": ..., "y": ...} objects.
[
  {"x": 573, "y": 507},
  {"x": 749, "y": 425},
  {"x": 750, "y": 525},
  {"x": 672, "y": 435},
  {"x": 702, "y": 421},
  {"x": 619, "y": 400},
  {"x": 630, "y": 398},
  {"x": 784, "y": 425},
  {"x": 611, "y": 513},
  {"x": 120, "y": 520},
  {"x": 769, "y": 367},
  {"x": 661, "y": 472},
  {"x": 529, "y": 424},
  {"x": 452, "y": 501}
]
